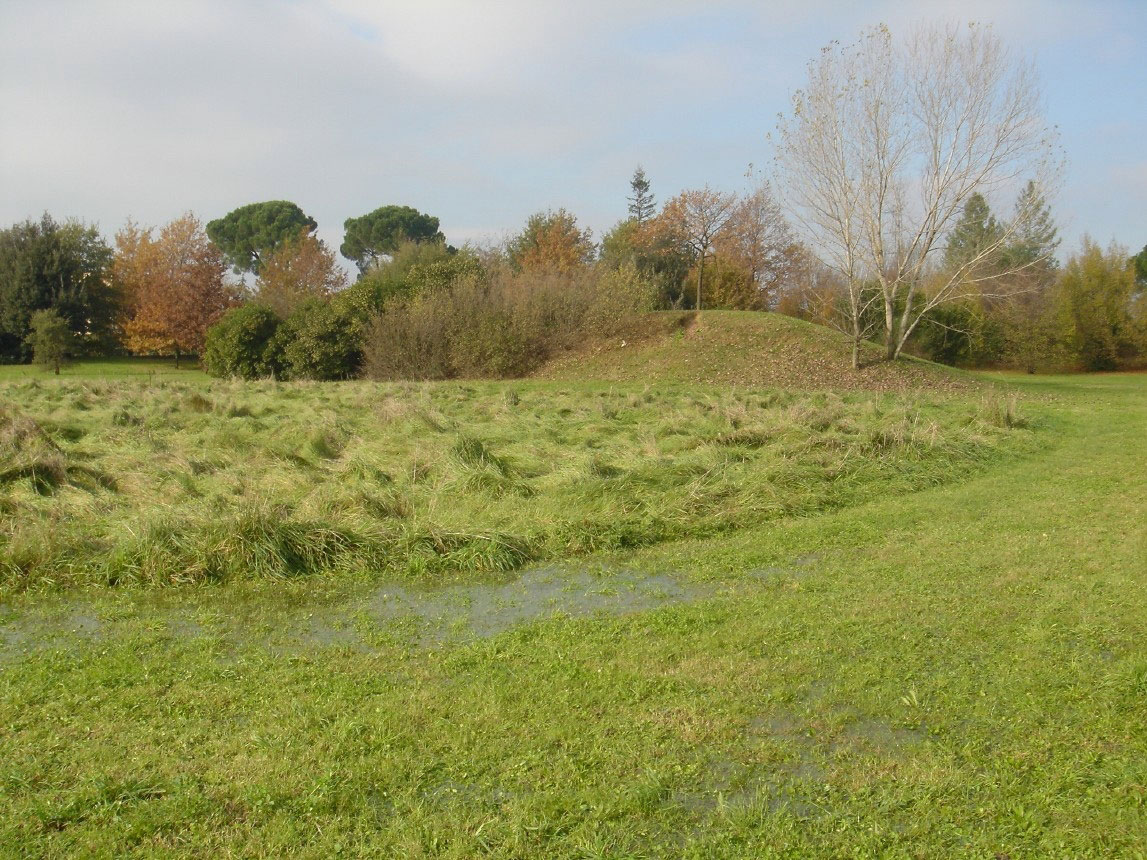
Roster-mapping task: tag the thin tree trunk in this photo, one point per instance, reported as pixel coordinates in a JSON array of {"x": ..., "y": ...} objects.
[{"x": 700, "y": 279}]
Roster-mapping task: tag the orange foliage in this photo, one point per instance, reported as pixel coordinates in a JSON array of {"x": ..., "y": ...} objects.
[
  {"x": 174, "y": 286},
  {"x": 552, "y": 242},
  {"x": 297, "y": 271}
]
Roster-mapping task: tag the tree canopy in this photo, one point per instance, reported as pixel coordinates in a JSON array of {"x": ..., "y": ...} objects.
[
  {"x": 883, "y": 149},
  {"x": 1036, "y": 237},
  {"x": 698, "y": 216},
  {"x": 1139, "y": 266},
  {"x": 51, "y": 339},
  {"x": 379, "y": 233},
  {"x": 175, "y": 286},
  {"x": 249, "y": 234},
  {"x": 976, "y": 231},
  {"x": 296, "y": 271},
  {"x": 551, "y": 241},
  {"x": 1095, "y": 305},
  {"x": 45, "y": 264}
]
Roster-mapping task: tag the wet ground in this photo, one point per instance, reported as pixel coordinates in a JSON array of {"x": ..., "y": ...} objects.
[
  {"x": 401, "y": 614},
  {"x": 786, "y": 756}
]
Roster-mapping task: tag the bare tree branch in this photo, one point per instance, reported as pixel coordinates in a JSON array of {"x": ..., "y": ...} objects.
[{"x": 886, "y": 144}]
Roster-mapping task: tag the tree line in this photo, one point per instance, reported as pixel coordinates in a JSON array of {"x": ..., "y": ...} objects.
[{"x": 878, "y": 221}]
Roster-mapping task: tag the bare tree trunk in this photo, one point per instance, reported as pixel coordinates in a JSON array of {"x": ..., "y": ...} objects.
[
  {"x": 857, "y": 336},
  {"x": 700, "y": 279}
]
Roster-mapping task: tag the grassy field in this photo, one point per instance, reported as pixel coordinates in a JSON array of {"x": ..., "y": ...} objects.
[
  {"x": 152, "y": 369},
  {"x": 923, "y": 639},
  {"x": 121, "y": 481}
]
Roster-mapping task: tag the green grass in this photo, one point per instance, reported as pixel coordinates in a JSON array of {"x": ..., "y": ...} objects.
[
  {"x": 956, "y": 670},
  {"x": 750, "y": 349},
  {"x": 109, "y": 368},
  {"x": 130, "y": 481}
]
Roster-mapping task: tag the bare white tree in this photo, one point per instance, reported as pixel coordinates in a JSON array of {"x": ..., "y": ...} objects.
[{"x": 883, "y": 148}]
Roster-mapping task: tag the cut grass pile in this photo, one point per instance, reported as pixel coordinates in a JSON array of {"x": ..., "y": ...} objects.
[{"x": 112, "y": 482}]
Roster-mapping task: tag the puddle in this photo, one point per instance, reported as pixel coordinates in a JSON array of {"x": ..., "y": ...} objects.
[
  {"x": 485, "y": 610},
  {"x": 425, "y": 617},
  {"x": 807, "y": 756},
  {"x": 21, "y": 635},
  {"x": 185, "y": 627},
  {"x": 799, "y": 568},
  {"x": 731, "y": 785},
  {"x": 804, "y": 765},
  {"x": 318, "y": 631},
  {"x": 471, "y": 793},
  {"x": 422, "y": 616},
  {"x": 881, "y": 736},
  {"x": 429, "y": 617}
]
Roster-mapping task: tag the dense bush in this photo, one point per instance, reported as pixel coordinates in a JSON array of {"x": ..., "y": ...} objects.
[
  {"x": 503, "y": 326},
  {"x": 617, "y": 297},
  {"x": 320, "y": 340},
  {"x": 469, "y": 329},
  {"x": 415, "y": 268},
  {"x": 1097, "y": 309},
  {"x": 964, "y": 334},
  {"x": 242, "y": 343}
]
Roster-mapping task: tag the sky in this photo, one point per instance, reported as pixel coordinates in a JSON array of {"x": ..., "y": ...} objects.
[{"x": 482, "y": 113}]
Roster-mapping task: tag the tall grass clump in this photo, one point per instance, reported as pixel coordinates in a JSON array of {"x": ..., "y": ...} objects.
[{"x": 219, "y": 481}]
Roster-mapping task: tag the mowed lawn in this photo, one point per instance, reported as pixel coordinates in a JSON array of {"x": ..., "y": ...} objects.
[
  {"x": 953, "y": 671},
  {"x": 109, "y": 368}
]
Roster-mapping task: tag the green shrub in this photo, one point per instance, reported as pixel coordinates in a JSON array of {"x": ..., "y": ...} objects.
[
  {"x": 618, "y": 297},
  {"x": 242, "y": 343},
  {"x": 415, "y": 268},
  {"x": 320, "y": 340},
  {"x": 51, "y": 340},
  {"x": 501, "y": 326}
]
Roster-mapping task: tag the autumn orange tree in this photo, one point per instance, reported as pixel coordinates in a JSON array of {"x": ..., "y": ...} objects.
[
  {"x": 174, "y": 284},
  {"x": 297, "y": 271},
  {"x": 551, "y": 241}
]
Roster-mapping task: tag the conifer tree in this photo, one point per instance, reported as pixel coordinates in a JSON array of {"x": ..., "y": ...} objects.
[
  {"x": 1036, "y": 236},
  {"x": 642, "y": 203},
  {"x": 976, "y": 230}
]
